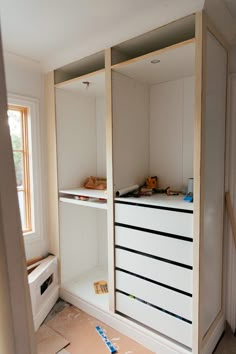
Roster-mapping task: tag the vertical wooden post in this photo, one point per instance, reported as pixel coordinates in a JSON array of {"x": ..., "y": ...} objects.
[
  {"x": 198, "y": 173},
  {"x": 52, "y": 188},
  {"x": 110, "y": 192}
]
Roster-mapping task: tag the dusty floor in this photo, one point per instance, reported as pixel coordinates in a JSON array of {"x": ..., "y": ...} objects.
[
  {"x": 74, "y": 330},
  {"x": 67, "y": 324},
  {"x": 227, "y": 345}
]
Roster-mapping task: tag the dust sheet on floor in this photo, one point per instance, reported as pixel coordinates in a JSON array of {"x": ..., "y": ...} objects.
[
  {"x": 79, "y": 329},
  {"x": 48, "y": 341}
]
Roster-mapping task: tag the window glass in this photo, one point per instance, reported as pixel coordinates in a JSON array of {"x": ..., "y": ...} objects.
[{"x": 18, "y": 119}]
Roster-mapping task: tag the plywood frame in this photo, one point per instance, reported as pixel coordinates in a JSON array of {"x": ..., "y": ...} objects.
[
  {"x": 54, "y": 240},
  {"x": 110, "y": 191},
  {"x": 152, "y": 54},
  {"x": 202, "y": 24},
  {"x": 205, "y": 337}
]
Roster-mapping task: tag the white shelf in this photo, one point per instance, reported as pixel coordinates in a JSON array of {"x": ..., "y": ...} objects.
[
  {"x": 94, "y": 193},
  {"x": 96, "y": 196},
  {"x": 93, "y": 204},
  {"x": 161, "y": 200},
  {"x": 82, "y": 286}
]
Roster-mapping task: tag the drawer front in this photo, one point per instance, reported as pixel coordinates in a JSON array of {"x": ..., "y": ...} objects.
[
  {"x": 151, "y": 268},
  {"x": 173, "y": 222},
  {"x": 166, "y": 299},
  {"x": 160, "y": 321},
  {"x": 160, "y": 246}
]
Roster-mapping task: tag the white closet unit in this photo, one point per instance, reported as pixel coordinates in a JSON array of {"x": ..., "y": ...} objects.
[
  {"x": 81, "y": 148},
  {"x": 151, "y": 106}
]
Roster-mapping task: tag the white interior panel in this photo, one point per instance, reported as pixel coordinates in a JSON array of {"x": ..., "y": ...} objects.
[
  {"x": 216, "y": 68},
  {"x": 101, "y": 136},
  {"x": 76, "y": 138},
  {"x": 171, "y": 132},
  {"x": 102, "y": 241},
  {"x": 78, "y": 239},
  {"x": 130, "y": 131},
  {"x": 188, "y": 127},
  {"x": 166, "y": 136}
]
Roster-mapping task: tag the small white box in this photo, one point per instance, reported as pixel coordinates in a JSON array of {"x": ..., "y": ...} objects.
[{"x": 44, "y": 289}]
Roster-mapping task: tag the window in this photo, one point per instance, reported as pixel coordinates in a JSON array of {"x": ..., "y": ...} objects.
[
  {"x": 23, "y": 119},
  {"x": 18, "y": 119}
]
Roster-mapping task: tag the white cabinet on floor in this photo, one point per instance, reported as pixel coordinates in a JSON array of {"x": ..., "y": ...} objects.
[{"x": 154, "y": 280}]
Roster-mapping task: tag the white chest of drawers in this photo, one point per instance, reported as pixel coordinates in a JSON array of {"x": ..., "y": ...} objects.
[{"x": 153, "y": 260}]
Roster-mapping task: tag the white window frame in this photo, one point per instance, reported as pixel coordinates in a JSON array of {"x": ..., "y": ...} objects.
[{"x": 34, "y": 163}]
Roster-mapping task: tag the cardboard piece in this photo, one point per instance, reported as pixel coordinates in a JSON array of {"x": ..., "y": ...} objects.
[
  {"x": 48, "y": 341},
  {"x": 80, "y": 329}
]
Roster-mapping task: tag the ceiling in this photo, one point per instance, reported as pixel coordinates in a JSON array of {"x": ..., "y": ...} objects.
[{"x": 57, "y": 32}]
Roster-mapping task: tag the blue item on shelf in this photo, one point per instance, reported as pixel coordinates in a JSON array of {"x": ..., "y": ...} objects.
[{"x": 189, "y": 198}]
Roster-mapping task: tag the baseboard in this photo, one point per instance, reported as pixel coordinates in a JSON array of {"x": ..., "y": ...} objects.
[
  {"x": 47, "y": 306},
  {"x": 156, "y": 343},
  {"x": 215, "y": 336}
]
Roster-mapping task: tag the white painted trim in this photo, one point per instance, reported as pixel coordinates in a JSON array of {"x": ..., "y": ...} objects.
[
  {"x": 214, "y": 338},
  {"x": 35, "y": 164},
  {"x": 38, "y": 319},
  {"x": 152, "y": 341},
  {"x": 231, "y": 286}
]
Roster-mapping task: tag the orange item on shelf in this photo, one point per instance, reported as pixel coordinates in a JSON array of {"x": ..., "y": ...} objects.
[{"x": 96, "y": 183}]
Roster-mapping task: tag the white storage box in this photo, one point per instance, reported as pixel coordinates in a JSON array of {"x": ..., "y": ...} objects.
[{"x": 44, "y": 289}]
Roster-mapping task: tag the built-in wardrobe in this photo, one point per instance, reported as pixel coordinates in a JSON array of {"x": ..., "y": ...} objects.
[{"x": 154, "y": 105}]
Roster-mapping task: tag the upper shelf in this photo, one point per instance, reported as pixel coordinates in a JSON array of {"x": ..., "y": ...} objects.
[
  {"x": 96, "y": 198},
  {"x": 80, "y": 67},
  {"x": 162, "y": 37}
]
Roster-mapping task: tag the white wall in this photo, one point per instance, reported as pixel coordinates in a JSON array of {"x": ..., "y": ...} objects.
[
  {"x": 24, "y": 78},
  {"x": 130, "y": 131},
  {"x": 171, "y": 132}
]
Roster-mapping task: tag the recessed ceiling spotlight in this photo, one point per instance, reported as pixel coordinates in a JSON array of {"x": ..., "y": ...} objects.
[{"x": 155, "y": 61}]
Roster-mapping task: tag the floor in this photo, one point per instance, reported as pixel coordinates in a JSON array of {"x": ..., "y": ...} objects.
[
  {"x": 227, "y": 344},
  {"x": 68, "y": 330}
]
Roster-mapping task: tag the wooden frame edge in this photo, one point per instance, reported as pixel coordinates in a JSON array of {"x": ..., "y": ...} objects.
[
  {"x": 198, "y": 172},
  {"x": 54, "y": 239},
  {"x": 82, "y": 77},
  {"x": 151, "y": 54},
  {"x": 211, "y": 329},
  {"x": 110, "y": 203}
]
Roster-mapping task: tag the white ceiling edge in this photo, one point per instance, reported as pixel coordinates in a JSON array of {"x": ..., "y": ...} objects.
[
  {"x": 21, "y": 61},
  {"x": 223, "y": 18},
  {"x": 137, "y": 25}
]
